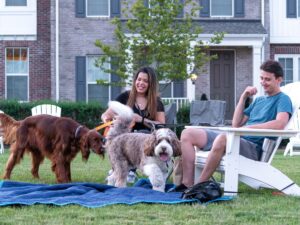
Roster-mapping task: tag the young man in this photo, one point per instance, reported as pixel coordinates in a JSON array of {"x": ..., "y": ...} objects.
[{"x": 271, "y": 111}]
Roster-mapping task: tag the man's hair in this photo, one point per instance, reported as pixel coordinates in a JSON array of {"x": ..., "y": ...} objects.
[{"x": 272, "y": 66}]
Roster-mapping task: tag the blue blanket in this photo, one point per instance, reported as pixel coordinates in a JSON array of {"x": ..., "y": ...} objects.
[{"x": 90, "y": 195}]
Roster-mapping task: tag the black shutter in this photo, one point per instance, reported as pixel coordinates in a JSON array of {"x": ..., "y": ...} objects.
[
  {"x": 80, "y": 8},
  {"x": 80, "y": 78},
  {"x": 239, "y": 8},
  {"x": 178, "y": 89},
  {"x": 204, "y": 12},
  {"x": 115, "y": 8},
  {"x": 146, "y": 3},
  {"x": 115, "y": 90},
  {"x": 180, "y": 14},
  {"x": 291, "y": 11}
]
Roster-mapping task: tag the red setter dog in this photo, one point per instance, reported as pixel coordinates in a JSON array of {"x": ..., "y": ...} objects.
[{"x": 57, "y": 138}]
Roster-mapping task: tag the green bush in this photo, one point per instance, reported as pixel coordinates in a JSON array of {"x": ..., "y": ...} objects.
[
  {"x": 86, "y": 114},
  {"x": 183, "y": 118}
]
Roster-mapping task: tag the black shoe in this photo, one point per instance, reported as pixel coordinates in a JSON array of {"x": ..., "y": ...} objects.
[{"x": 179, "y": 188}]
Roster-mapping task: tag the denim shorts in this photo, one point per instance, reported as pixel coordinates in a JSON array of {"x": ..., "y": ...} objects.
[{"x": 247, "y": 148}]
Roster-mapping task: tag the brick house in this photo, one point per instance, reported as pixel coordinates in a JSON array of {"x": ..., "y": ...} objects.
[
  {"x": 25, "y": 50},
  {"x": 61, "y": 50}
]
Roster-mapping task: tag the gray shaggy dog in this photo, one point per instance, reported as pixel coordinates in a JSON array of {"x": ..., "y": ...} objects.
[{"x": 151, "y": 153}]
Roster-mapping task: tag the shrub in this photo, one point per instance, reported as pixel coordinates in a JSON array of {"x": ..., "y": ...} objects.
[{"x": 86, "y": 114}]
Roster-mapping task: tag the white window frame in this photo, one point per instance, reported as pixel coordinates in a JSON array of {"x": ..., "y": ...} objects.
[
  {"x": 17, "y": 74},
  {"x": 296, "y": 64},
  {"x": 97, "y": 16},
  {"x": 88, "y": 82},
  {"x": 216, "y": 16},
  {"x": 16, "y": 5}
]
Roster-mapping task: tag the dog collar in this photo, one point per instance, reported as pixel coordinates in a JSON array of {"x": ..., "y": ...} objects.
[{"x": 77, "y": 131}]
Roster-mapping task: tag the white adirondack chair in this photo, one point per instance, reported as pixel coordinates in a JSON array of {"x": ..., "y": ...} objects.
[
  {"x": 46, "y": 109},
  {"x": 293, "y": 147},
  {"x": 1, "y": 140},
  {"x": 256, "y": 174}
]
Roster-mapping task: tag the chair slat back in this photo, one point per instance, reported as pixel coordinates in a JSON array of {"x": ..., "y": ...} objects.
[{"x": 46, "y": 109}]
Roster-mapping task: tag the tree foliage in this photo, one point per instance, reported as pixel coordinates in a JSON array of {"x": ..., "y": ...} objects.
[{"x": 156, "y": 36}]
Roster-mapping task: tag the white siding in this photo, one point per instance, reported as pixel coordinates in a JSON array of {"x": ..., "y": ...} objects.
[
  {"x": 282, "y": 29},
  {"x": 18, "y": 22}
]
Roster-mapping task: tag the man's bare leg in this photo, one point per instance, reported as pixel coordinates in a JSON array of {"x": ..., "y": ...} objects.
[
  {"x": 214, "y": 158},
  {"x": 190, "y": 137}
]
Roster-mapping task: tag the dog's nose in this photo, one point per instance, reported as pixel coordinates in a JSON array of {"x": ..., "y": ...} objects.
[{"x": 163, "y": 149}]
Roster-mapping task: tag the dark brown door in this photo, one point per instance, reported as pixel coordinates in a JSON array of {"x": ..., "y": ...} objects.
[{"x": 222, "y": 80}]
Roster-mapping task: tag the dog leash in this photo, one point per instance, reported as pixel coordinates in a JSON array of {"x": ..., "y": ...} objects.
[
  {"x": 106, "y": 126},
  {"x": 103, "y": 125}
]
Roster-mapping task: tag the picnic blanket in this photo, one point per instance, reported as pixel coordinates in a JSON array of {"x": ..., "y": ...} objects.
[{"x": 90, "y": 195}]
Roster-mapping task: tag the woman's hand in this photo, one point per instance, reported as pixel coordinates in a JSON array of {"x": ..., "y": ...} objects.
[{"x": 137, "y": 118}]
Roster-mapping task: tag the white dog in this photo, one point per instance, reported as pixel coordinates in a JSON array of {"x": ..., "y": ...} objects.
[{"x": 151, "y": 153}]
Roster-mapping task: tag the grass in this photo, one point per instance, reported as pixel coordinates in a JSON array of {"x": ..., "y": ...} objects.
[{"x": 250, "y": 207}]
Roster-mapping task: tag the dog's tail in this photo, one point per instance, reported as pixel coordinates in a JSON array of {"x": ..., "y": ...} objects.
[
  {"x": 123, "y": 119},
  {"x": 9, "y": 126}
]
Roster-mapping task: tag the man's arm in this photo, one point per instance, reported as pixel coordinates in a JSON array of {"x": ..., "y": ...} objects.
[
  {"x": 239, "y": 119},
  {"x": 279, "y": 123}
]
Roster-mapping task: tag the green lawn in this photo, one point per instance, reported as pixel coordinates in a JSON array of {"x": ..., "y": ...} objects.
[{"x": 250, "y": 207}]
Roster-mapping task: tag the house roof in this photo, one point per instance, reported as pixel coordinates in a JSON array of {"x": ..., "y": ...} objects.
[{"x": 231, "y": 26}]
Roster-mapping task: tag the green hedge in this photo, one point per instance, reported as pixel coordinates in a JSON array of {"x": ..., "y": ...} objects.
[
  {"x": 86, "y": 114},
  {"x": 183, "y": 118}
]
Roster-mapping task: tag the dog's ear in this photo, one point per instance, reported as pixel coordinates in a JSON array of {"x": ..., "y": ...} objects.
[
  {"x": 149, "y": 145},
  {"x": 175, "y": 145},
  {"x": 84, "y": 147}
]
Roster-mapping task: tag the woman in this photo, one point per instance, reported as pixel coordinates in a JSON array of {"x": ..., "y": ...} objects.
[{"x": 143, "y": 99}]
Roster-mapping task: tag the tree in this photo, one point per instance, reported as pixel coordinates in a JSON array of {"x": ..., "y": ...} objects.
[{"x": 155, "y": 36}]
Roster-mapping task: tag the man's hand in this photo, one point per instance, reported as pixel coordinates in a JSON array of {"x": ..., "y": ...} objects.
[{"x": 249, "y": 91}]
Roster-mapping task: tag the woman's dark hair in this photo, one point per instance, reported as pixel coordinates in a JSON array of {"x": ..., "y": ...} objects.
[
  {"x": 272, "y": 66},
  {"x": 151, "y": 93}
]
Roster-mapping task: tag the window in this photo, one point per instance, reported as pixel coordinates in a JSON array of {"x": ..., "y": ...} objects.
[
  {"x": 221, "y": 8},
  {"x": 96, "y": 92},
  {"x": 171, "y": 90},
  {"x": 291, "y": 67},
  {"x": 16, "y": 70},
  {"x": 97, "y": 8},
  {"x": 16, "y": 2}
]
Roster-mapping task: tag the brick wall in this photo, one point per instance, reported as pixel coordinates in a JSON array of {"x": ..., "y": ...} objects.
[
  {"x": 284, "y": 49},
  {"x": 39, "y": 56}
]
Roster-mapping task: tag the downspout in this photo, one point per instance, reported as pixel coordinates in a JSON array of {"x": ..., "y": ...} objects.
[
  {"x": 263, "y": 24},
  {"x": 263, "y": 12},
  {"x": 57, "y": 50}
]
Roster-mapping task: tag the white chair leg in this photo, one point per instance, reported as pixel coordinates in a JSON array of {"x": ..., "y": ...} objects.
[
  {"x": 197, "y": 173},
  {"x": 1, "y": 146},
  {"x": 287, "y": 149}
]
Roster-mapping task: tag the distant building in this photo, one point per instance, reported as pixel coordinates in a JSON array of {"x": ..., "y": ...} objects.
[{"x": 47, "y": 50}]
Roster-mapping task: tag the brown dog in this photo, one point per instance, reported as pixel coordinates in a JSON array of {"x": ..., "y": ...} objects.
[{"x": 57, "y": 138}]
